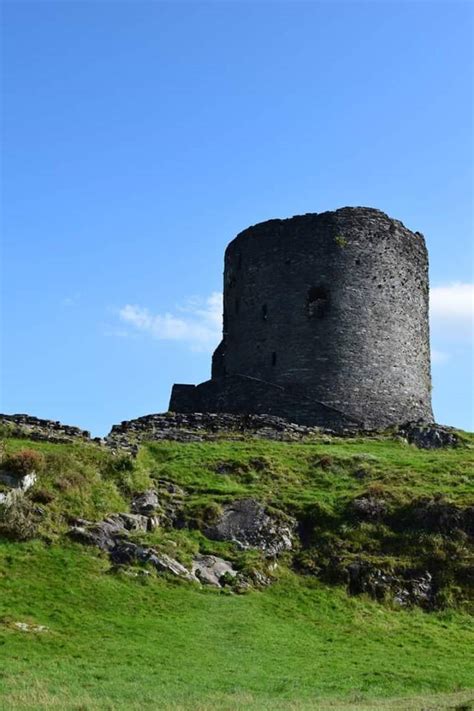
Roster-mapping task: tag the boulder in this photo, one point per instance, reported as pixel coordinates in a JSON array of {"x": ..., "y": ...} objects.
[
  {"x": 131, "y": 522},
  {"x": 24, "y": 483},
  {"x": 102, "y": 534},
  {"x": 210, "y": 570},
  {"x": 247, "y": 523},
  {"x": 146, "y": 503},
  {"x": 127, "y": 553},
  {"x": 429, "y": 435}
]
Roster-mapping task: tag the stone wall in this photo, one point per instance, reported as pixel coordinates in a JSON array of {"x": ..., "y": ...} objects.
[
  {"x": 323, "y": 314},
  {"x": 197, "y": 427},
  {"x": 35, "y": 428}
]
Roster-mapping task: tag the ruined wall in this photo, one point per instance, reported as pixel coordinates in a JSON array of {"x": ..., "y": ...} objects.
[{"x": 329, "y": 309}]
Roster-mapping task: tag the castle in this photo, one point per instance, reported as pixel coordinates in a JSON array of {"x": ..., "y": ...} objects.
[{"x": 325, "y": 323}]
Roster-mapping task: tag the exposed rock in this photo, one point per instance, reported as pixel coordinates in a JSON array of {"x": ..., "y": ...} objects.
[
  {"x": 260, "y": 579},
  {"x": 24, "y": 483},
  {"x": 35, "y": 428},
  {"x": 437, "y": 515},
  {"x": 27, "y": 627},
  {"x": 248, "y": 524},
  {"x": 102, "y": 534},
  {"x": 131, "y": 522},
  {"x": 368, "y": 508},
  {"x": 153, "y": 522},
  {"x": 428, "y": 436},
  {"x": 128, "y": 553},
  {"x": 210, "y": 570},
  {"x": 171, "y": 503},
  {"x": 406, "y": 589},
  {"x": 164, "y": 563},
  {"x": 199, "y": 427},
  {"x": 146, "y": 503}
]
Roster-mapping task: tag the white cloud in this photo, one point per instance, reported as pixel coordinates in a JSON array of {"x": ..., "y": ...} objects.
[
  {"x": 199, "y": 323},
  {"x": 439, "y": 357},
  {"x": 452, "y": 309}
]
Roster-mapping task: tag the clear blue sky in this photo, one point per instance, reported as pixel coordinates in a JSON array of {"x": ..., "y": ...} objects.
[{"x": 140, "y": 137}]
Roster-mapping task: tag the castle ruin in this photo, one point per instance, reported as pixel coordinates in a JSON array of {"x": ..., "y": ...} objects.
[{"x": 325, "y": 323}]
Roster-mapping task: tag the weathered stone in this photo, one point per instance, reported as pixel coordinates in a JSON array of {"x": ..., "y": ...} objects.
[
  {"x": 102, "y": 534},
  {"x": 145, "y": 503},
  {"x": 127, "y": 553},
  {"x": 428, "y": 435},
  {"x": 199, "y": 427},
  {"x": 414, "y": 588},
  {"x": 248, "y": 524},
  {"x": 24, "y": 483},
  {"x": 153, "y": 522},
  {"x": 131, "y": 522},
  {"x": 38, "y": 429},
  {"x": 209, "y": 569},
  {"x": 165, "y": 564},
  {"x": 368, "y": 508},
  {"x": 356, "y": 296}
]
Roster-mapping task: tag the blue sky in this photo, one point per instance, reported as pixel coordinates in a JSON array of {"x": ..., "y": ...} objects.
[{"x": 140, "y": 137}]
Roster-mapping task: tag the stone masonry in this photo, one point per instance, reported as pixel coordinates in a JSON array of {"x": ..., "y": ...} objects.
[{"x": 325, "y": 323}]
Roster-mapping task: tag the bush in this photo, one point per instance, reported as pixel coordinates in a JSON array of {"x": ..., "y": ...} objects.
[
  {"x": 19, "y": 518},
  {"x": 24, "y": 462}
]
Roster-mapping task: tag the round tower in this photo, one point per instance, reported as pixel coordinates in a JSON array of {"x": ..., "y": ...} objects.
[{"x": 325, "y": 320}]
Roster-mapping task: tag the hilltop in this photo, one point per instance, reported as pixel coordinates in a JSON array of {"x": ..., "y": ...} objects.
[{"x": 235, "y": 563}]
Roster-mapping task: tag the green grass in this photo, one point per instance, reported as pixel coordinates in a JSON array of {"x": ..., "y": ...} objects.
[
  {"x": 118, "y": 643},
  {"x": 121, "y": 642}
]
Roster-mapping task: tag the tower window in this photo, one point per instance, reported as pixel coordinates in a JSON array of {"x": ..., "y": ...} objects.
[
  {"x": 264, "y": 312},
  {"x": 237, "y": 305},
  {"x": 317, "y": 302},
  {"x": 274, "y": 358}
]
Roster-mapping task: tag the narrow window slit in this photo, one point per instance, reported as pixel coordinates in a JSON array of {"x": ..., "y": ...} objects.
[{"x": 317, "y": 302}]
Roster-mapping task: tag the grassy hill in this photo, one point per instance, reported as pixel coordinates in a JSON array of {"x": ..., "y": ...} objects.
[{"x": 115, "y": 638}]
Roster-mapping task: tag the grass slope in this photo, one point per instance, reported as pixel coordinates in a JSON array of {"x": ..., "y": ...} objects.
[{"x": 121, "y": 642}]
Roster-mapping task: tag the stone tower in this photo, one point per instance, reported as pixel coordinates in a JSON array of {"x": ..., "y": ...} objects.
[{"x": 325, "y": 323}]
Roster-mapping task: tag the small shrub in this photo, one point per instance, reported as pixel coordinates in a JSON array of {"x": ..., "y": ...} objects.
[
  {"x": 19, "y": 518},
  {"x": 325, "y": 461},
  {"x": 340, "y": 240},
  {"x": 24, "y": 462},
  {"x": 202, "y": 515},
  {"x": 42, "y": 496}
]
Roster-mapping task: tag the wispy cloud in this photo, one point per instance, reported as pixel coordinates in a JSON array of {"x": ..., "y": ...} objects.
[
  {"x": 198, "y": 323},
  {"x": 452, "y": 310},
  {"x": 439, "y": 357}
]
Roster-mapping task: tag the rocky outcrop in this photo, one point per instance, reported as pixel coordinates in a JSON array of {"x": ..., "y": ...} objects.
[
  {"x": 435, "y": 515},
  {"x": 211, "y": 570},
  {"x": 146, "y": 503},
  {"x": 368, "y": 508},
  {"x": 199, "y": 427},
  {"x": 127, "y": 553},
  {"x": 35, "y": 428},
  {"x": 111, "y": 535},
  {"x": 23, "y": 482},
  {"x": 409, "y": 588},
  {"x": 247, "y": 523},
  {"x": 429, "y": 436}
]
